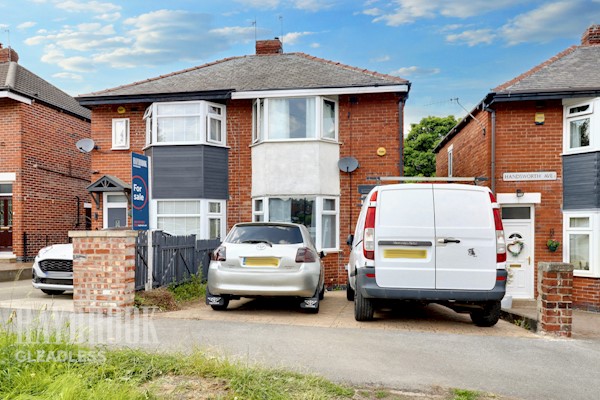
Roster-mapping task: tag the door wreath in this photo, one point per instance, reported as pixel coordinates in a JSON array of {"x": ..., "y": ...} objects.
[{"x": 515, "y": 248}]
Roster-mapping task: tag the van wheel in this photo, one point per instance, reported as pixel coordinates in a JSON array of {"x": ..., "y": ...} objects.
[
  {"x": 53, "y": 292},
  {"x": 349, "y": 291},
  {"x": 488, "y": 315},
  {"x": 363, "y": 308}
]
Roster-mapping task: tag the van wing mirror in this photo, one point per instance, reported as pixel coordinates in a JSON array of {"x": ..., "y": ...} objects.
[{"x": 350, "y": 240}]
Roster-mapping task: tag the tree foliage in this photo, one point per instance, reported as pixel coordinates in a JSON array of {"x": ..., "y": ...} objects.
[{"x": 419, "y": 158}]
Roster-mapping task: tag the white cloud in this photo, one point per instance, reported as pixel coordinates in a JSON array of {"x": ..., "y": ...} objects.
[
  {"x": 108, "y": 17},
  {"x": 26, "y": 25},
  {"x": 236, "y": 34},
  {"x": 550, "y": 21},
  {"x": 90, "y": 6},
  {"x": 315, "y": 45},
  {"x": 68, "y": 76},
  {"x": 472, "y": 37},
  {"x": 415, "y": 71},
  {"x": 293, "y": 37},
  {"x": 312, "y": 5},
  {"x": 269, "y": 4},
  {"x": 372, "y": 11},
  {"x": 383, "y": 58},
  {"x": 400, "y": 12}
]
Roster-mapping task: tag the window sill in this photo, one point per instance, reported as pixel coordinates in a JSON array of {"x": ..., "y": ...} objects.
[
  {"x": 150, "y": 145},
  {"x": 585, "y": 274},
  {"x": 583, "y": 151}
]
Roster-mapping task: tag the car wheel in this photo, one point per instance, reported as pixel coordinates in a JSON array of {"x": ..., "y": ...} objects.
[
  {"x": 488, "y": 315},
  {"x": 53, "y": 292},
  {"x": 363, "y": 308},
  {"x": 221, "y": 307},
  {"x": 349, "y": 291}
]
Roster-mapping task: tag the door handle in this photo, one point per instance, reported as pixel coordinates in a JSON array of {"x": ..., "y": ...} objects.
[{"x": 448, "y": 240}]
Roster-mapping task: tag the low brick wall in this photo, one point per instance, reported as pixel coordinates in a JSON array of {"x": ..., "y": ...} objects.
[
  {"x": 103, "y": 271},
  {"x": 555, "y": 298}
]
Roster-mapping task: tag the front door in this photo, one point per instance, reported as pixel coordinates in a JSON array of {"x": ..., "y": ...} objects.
[
  {"x": 518, "y": 230},
  {"x": 5, "y": 224}
]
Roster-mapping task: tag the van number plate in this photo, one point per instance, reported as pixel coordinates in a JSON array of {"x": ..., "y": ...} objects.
[{"x": 404, "y": 253}]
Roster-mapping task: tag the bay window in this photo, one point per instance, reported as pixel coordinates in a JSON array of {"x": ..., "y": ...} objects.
[
  {"x": 295, "y": 118},
  {"x": 319, "y": 214},
  {"x": 186, "y": 122},
  {"x": 581, "y": 242}
]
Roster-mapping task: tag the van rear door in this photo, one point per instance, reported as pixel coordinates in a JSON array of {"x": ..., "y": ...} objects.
[
  {"x": 465, "y": 238},
  {"x": 405, "y": 237}
]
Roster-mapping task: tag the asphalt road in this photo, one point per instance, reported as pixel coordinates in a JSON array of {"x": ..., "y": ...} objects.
[{"x": 524, "y": 367}]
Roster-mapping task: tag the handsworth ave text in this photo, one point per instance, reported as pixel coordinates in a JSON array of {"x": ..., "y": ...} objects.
[{"x": 529, "y": 176}]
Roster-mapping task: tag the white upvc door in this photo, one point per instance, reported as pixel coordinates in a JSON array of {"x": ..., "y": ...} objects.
[{"x": 518, "y": 230}]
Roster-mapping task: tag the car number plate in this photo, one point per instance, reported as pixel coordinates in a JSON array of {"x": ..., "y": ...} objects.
[
  {"x": 404, "y": 253},
  {"x": 271, "y": 262}
]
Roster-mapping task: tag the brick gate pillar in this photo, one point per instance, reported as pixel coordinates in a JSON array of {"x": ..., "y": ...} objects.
[
  {"x": 103, "y": 271},
  {"x": 554, "y": 302}
]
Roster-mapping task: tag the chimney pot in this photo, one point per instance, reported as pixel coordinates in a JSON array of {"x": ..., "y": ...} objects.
[
  {"x": 8, "y": 54},
  {"x": 591, "y": 37},
  {"x": 272, "y": 46}
]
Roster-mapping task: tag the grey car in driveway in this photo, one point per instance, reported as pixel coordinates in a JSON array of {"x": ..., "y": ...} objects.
[{"x": 266, "y": 259}]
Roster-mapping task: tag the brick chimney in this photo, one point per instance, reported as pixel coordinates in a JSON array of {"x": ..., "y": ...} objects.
[
  {"x": 591, "y": 37},
  {"x": 272, "y": 46},
  {"x": 8, "y": 54}
]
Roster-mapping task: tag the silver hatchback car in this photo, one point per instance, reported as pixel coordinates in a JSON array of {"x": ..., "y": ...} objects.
[{"x": 266, "y": 259}]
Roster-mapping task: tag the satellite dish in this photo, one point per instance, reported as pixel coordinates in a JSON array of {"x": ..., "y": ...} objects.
[
  {"x": 348, "y": 164},
  {"x": 86, "y": 145}
]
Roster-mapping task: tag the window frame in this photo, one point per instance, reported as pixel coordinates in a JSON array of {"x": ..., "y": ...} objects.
[
  {"x": 115, "y": 144},
  {"x": 204, "y": 116},
  {"x": 106, "y": 205},
  {"x": 260, "y": 119},
  {"x": 205, "y": 215},
  {"x": 594, "y": 121},
  {"x": 320, "y": 212},
  {"x": 594, "y": 245}
]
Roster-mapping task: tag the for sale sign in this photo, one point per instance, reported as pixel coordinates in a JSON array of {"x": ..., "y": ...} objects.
[{"x": 139, "y": 192}]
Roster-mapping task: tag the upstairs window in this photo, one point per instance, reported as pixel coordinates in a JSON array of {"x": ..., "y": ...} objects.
[
  {"x": 450, "y": 160},
  {"x": 295, "y": 118},
  {"x": 191, "y": 122},
  {"x": 120, "y": 134},
  {"x": 580, "y": 125}
]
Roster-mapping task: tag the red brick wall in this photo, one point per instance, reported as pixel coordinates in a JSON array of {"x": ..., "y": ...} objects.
[
  {"x": 50, "y": 170},
  {"x": 115, "y": 162},
  {"x": 523, "y": 146}
]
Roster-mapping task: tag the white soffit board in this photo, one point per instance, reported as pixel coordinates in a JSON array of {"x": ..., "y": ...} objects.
[
  {"x": 318, "y": 92},
  {"x": 14, "y": 96}
]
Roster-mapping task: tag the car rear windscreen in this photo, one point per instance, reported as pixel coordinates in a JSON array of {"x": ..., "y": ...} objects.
[{"x": 273, "y": 234}]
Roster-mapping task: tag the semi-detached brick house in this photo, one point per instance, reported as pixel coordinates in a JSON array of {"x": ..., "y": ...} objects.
[
  {"x": 254, "y": 137},
  {"x": 541, "y": 149},
  {"x": 43, "y": 177}
]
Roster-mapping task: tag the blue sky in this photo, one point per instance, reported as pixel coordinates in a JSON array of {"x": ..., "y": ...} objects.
[{"x": 446, "y": 48}]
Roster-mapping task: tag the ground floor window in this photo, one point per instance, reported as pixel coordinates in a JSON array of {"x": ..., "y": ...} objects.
[
  {"x": 319, "y": 214},
  {"x": 581, "y": 244},
  {"x": 201, "y": 217},
  {"x": 115, "y": 209}
]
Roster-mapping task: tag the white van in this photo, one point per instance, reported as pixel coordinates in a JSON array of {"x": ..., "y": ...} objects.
[{"x": 434, "y": 243}]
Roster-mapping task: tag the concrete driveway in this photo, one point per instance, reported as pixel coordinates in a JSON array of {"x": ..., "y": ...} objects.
[
  {"x": 337, "y": 312},
  {"x": 21, "y": 295}
]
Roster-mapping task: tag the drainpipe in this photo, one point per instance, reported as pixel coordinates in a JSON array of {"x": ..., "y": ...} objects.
[
  {"x": 493, "y": 155},
  {"x": 401, "y": 135}
]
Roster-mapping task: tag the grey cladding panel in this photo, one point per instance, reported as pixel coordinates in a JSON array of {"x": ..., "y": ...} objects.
[
  {"x": 186, "y": 172},
  {"x": 581, "y": 181},
  {"x": 216, "y": 173}
]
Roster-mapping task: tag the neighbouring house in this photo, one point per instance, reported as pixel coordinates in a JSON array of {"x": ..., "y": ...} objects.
[
  {"x": 43, "y": 177},
  {"x": 254, "y": 137},
  {"x": 537, "y": 137}
]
